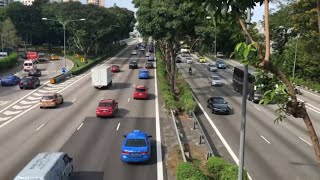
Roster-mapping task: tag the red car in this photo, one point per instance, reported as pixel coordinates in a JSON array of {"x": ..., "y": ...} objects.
[
  {"x": 140, "y": 92},
  {"x": 115, "y": 68},
  {"x": 107, "y": 108}
]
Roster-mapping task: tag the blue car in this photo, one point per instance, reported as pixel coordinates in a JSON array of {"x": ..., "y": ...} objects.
[
  {"x": 143, "y": 74},
  {"x": 136, "y": 147},
  {"x": 10, "y": 80}
]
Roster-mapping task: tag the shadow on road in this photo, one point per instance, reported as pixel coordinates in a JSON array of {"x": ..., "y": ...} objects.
[{"x": 89, "y": 175}]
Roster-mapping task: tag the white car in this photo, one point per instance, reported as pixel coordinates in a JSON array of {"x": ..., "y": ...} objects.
[
  {"x": 134, "y": 52},
  {"x": 212, "y": 67},
  {"x": 147, "y": 54},
  {"x": 215, "y": 81},
  {"x": 189, "y": 60},
  {"x": 220, "y": 55},
  {"x": 141, "y": 48}
]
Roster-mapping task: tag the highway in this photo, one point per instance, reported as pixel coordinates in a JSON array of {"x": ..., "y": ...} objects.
[
  {"x": 94, "y": 143},
  {"x": 273, "y": 151},
  {"x": 10, "y": 94}
]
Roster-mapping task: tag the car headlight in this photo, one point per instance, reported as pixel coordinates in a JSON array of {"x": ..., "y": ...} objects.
[{"x": 216, "y": 109}]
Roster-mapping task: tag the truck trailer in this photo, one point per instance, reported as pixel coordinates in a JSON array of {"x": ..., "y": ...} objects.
[{"x": 101, "y": 76}]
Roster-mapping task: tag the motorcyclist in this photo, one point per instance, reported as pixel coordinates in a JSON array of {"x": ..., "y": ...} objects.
[{"x": 190, "y": 70}]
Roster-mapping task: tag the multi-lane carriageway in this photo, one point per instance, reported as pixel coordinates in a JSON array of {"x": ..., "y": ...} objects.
[{"x": 94, "y": 143}]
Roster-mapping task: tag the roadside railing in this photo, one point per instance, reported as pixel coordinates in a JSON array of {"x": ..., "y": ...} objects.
[{"x": 179, "y": 135}]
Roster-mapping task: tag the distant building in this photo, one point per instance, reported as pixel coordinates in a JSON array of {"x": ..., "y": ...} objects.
[
  {"x": 5, "y": 2},
  {"x": 96, "y": 2},
  {"x": 30, "y": 2}
]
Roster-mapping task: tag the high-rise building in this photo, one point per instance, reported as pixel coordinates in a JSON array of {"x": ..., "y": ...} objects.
[{"x": 96, "y": 2}]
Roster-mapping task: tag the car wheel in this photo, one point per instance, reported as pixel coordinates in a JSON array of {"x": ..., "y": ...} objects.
[
  {"x": 34, "y": 86},
  {"x": 62, "y": 101},
  {"x": 21, "y": 87},
  {"x": 213, "y": 112}
]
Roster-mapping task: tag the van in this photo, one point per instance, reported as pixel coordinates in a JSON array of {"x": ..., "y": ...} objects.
[
  {"x": 31, "y": 55},
  {"x": 28, "y": 65},
  {"x": 3, "y": 55},
  {"x": 47, "y": 166}
]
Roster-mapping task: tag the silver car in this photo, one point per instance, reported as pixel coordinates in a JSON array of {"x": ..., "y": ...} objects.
[
  {"x": 215, "y": 80},
  {"x": 212, "y": 67},
  {"x": 189, "y": 60}
]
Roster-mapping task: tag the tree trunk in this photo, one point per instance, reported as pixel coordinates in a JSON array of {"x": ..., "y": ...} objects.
[
  {"x": 172, "y": 74},
  {"x": 318, "y": 11},
  {"x": 312, "y": 134}
]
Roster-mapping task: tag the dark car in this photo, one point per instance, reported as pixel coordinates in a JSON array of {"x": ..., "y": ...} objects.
[
  {"x": 178, "y": 60},
  {"x": 34, "y": 72},
  {"x": 29, "y": 82},
  {"x": 10, "y": 80},
  {"x": 218, "y": 105},
  {"x": 133, "y": 65},
  {"x": 149, "y": 65},
  {"x": 220, "y": 64}
]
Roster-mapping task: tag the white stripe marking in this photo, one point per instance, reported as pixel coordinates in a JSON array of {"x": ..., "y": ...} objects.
[
  {"x": 128, "y": 99},
  {"x": 3, "y": 102},
  {"x": 265, "y": 139},
  {"x": 40, "y": 127},
  {"x": 305, "y": 141},
  {"x": 309, "y": 92},
  {"x": 134, "y": 85},
  {"x": 5, "y": 118},
  {"x": 211, "y": 89},
  {"x": 8, "y": 113},
  {"x": 118, "y": 126},
  {"x": 80, "y": 126},
  {"x": 257, "y": 108},
  {"x": 28, "y": 102},
  {"x": 33, "y": 98},
  {"x": 74, "y": 100},
  {"x": 158, "y": 132},
  {"x": 20, "y": 107},
  {"x": 313, "y": 110}
]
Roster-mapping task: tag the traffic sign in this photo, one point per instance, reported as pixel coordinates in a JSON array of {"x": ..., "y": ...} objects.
[{"x": 64, "y": 70}]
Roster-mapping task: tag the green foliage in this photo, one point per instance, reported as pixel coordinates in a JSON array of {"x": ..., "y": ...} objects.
[
  {"x": 9, "y": 62},
  {"x": 246, "y": 53},
  {"x": 230, "y": 172},
  {"x": 186, "y": 100},
  {"x": 188, "y": 171},
  {"x": 310, "y": 84},
  {"x": 215, "y": 166}
]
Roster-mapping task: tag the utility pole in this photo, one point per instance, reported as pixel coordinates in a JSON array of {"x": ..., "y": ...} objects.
[{"x": 244, "y": 108}]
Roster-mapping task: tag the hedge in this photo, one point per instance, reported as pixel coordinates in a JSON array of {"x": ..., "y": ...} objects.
[
  {"x": 186, "y": 99},
  {"x": 219, "y": 169},
  {"x": 9, "y": 62},
  {"x": 80, "y": 67},
  {"x": 188, "y": 171},
  {"x": 307, "y": 83}
]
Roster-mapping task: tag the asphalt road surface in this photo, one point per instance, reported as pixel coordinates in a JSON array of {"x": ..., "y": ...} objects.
[
  {"x": 94, "y": 143},
  {"x": 273, "y": 151}
]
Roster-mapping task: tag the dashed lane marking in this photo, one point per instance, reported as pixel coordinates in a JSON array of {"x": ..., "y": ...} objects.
[
  {"x": 265, "y": 139},
  {"x": 80, "y": 126},
  {"x": 40, "y": 127},
  {"x": 305, "y": 141},
  {"x": 118, "y": 127}
]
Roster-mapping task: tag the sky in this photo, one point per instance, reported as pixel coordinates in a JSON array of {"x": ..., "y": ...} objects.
[{"x": 258, "y": 10}]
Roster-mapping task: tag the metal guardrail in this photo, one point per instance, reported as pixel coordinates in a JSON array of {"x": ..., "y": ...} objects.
[
  {"x": 179, "y": 135},
  {"x": 60, "y": 77}
]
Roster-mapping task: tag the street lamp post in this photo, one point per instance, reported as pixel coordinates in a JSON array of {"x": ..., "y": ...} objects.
[
  {"x": 215, "y": 36},
  {"x": 64, "y": 23}
]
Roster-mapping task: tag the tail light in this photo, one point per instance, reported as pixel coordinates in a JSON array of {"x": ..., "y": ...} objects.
[
  {"x": 144, "y": 153},
  {"x": 125, "y": 152}
]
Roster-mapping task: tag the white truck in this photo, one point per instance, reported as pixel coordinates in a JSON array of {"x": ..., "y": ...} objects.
[{"x": 101, "y": 76}]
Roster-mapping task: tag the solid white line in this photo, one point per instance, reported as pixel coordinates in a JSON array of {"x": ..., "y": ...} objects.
[
  {"x": 305, "y": 141},
  {"x": 118, "y": 126},
  {"x": 23, "y": 97},
  {"x": 80, "y": 126},
  {"x": 233, "y": 155},
  {"x": 265, "y": 139},
  {"x": 40, "y": 127},
  {"x": 158, "y": 132},
  {"x": 309, "y": 92},
  {"x": 128, "y": 99},
  {"x": 211, "y": 89},
  {"x": 308, "y": 104},
  {"x": 257, "y": 108},
  {"x": 4, "y": 124},
  {"x": 313, "y": 110},
  {"x": 74, "y": 100}
]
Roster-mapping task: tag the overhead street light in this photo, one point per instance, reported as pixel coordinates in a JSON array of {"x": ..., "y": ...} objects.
[{"x": 63, "y": 23}]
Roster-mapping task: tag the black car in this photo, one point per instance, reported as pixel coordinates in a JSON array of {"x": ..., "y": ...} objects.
[
  {"x": 34, "y": 72},
  {"x": 149, "y": 65},
  {"x": 29, "y": 82},
  {"x": 218, "y": 105},
  {"x": 178, "y": 60},
  {"x": 133, "y": 65}
]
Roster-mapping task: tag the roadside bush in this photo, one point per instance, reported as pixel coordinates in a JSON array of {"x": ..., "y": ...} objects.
[
  {"x": 230, "y": 172},
  {"x": 186, "y": 97},
  {"x": 188, "y": 171},
  {"x": 9, "y": 62},
  {"x": 215, "y": 166}
]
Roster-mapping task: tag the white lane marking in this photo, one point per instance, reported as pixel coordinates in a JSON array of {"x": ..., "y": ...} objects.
[
  {"x": 134, "y": 85},
  {"x": 3, "y": 92},
  {"x": 80, "y": 126},
  {"x": 158, "y": 132},
  {"x": 305, "y": 141},
  {"x": 265, "y": 139},
  {"x": 8, "y": 113},
  {"x": 23, "y": 97},
  {"x": 233, "y": 155},
  {"x": 308, "y": 104},
  {"x": 20, "y": 107},
  {"x": 3, "y": 102},
  {"x": 211, "y": 89},
  {"x": 128, "y": 99},
  {"x": 257, "y": 107},
  {"x": 5, "y": 118},
  {"x": 40, "y": 127},
  {"x": 9, "y": 121},
  {"x": 37, "y": 94},
  {"x": 309, "y": 92},
  {"x": 33, "y": 98},
  {"x": 44, "y": 91},
  {"x": 313, "y": 110},
  {"x": 118, "y": 126},
  {"x": 74, "y": 99},
  {"x": 28, "y": 102}
]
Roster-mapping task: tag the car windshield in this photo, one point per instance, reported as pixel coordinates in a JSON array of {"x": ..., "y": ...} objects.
[
  {"x": 220, "y": 62},
  {"x": 219, "y": 101},
  {"x": 8, "y": 77},
  {"x": 47, "y": 97},
  {"x": 26, "y": 79},
  {"x": 140, "y": 90},
  {"x": 105, "y": 104},
  {"x": 133, "y": 62},
  {"x": 27, "y": 64},
  {"x": 212, "y": 65},
  {"x": 215, "y": 78},
  {"x": 135, "y": 143},
  {"x": 189, "y": 58}
]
